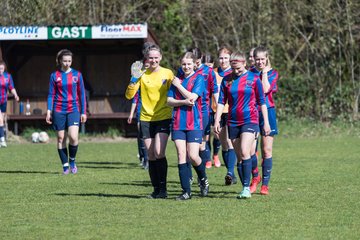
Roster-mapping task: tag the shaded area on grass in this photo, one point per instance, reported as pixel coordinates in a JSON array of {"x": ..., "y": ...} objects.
[
  {"x": 26, "y": 172},
  {"x": 98, "y": 195}
]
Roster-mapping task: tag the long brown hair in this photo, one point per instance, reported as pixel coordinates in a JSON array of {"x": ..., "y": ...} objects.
[{"x": 60, "y": 54}]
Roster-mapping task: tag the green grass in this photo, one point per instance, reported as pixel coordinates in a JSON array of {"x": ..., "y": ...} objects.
[{"x": 314, "y": 194}]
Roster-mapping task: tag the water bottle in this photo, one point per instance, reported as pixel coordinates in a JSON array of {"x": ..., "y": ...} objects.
[
  {"x": 27, "y": 107},
  {"x": 21, "y": 108}
]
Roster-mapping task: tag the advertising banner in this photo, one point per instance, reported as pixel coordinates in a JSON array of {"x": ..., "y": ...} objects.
[
  {"x": 23, "y": 33},
  {"x": 117, "y": 31},
  {"x": 120, "y": 31}
]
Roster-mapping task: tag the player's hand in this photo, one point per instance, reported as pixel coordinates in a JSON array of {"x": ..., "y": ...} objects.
[
  {"x": 83, "y": 118},
  {"x": 176, "y": 81},
  {"x": 137, "y": 69},
  {"x": 48, "y": 117},
  {"x": 189, "y": 102},
  {"x": 129, "y": 120},
  {"x": 217, "y": 128},
  {"x": 267, "y": 129},
  {"x": 17, "y": 98},
  {"x": 266, "y": 69}
]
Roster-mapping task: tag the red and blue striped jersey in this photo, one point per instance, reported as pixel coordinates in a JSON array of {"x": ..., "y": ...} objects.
[
  {"x": 273, "y": 76},
  {"x": 243, "y": 93},
  {"x": 6, "y": 84},
  {"x": 210, "y": 85},
  {"x": 188, "y": 117},
  {"x": 67, "y": 92},
  {"x": 253, "y": 69},
  {"x": 137, "y": 100}
]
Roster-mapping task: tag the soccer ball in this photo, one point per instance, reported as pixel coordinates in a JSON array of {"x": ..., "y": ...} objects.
[
  {"x": 43, "y": 137},
  {"x": 35, "y": 137}
]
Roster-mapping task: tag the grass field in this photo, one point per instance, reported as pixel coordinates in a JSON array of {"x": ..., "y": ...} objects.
[{"x": 314, "y": 194}]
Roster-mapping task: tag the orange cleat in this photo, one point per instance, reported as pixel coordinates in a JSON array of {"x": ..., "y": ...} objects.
[
  {"x": 254, "y": 183},
  {"x": 217, "y": 162},
  {"x": 208, "y": 164},
  {"x": 264, "y": 190}
]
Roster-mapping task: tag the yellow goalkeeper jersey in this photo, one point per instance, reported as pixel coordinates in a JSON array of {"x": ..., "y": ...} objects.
[{"x": 154, "y": 87}]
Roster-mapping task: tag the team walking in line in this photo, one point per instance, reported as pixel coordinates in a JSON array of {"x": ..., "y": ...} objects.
[{"x": 234, "y": 98}]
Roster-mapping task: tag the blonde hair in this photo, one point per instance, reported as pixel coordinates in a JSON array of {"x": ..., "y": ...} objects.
[
  {"x": 225, "y": 50},
  {"x": 236, "y": 56}
]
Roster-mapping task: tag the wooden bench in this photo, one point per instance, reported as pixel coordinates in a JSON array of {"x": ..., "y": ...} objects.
[{"x": 93, "y": 120}]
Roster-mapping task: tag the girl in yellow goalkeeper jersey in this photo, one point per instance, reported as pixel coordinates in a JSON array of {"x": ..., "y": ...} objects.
[{"x": 155, "y": 116}]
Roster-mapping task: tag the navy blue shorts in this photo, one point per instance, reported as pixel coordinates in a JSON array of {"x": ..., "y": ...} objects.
[
  {"x": 187, "y": 135},
  {"x": 272, "y": 122},
  {"x": 206, "y": 124},
  {"x": 235, "y": 132},
  {"x": 62, "y": 121},
  {"x": 3, "y": 107},
  {"x": 150, "y": 129},
  {"x": 223, "y": 120},
  {"x": 212, "y": 118}
]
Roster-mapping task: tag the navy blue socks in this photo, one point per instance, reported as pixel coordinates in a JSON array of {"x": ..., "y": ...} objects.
[
  {"x": 255, "y": 169},
  {"x": 246, "y": 169},
  {"x": 72, "y": 154},
  {"x": 266, "y": 170},
  {"x": 184, "y": 177},
  {"x": 63, "y": 154}
]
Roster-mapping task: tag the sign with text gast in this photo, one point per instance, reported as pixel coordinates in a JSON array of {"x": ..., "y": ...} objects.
[{"x": 116, "y": 31}]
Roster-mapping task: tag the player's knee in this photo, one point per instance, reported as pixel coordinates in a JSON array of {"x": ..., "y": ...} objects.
[
  {"x": 193, "y": 156},
  {"x": 60, "y": 139},
  {"x": 267, "y": 152}
]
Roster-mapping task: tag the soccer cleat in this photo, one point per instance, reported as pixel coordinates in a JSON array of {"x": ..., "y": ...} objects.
[
  {"x": 3, "y": 144},
  {"x": 228, "y": 179},
  {"x": 254, "y": 183},
  {"x": 245, "y": 193},
  {"x": 162, "y": 195},
  {"x": 217, "y": 162},
  {"x": 153, "y": 194},
  {"x": 234, "y": 180},
  {"x": 183, "y": 196},
  {"x": 204, "y": 187},
  {"x": 74, "y": 170},
  {"x": 145, "y": 165},
  {"x": 191, "y": 180},
  {"x": 264, "y": 190},
  {"x": 66, "y": 171},
  {"x": 208, "y": 164}
]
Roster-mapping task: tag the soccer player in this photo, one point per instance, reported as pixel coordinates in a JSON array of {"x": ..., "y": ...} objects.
[
  {"x": 6, "y": 84},
  {"x": 66, "y": 108},
  {"x": 269, "y": 77},
  {"x": 136, "y": 107},
  {"x": 243, "y": 91},
  {"x": 135, "y": 110},
  {"x": 211, "y": 89},
  {"x": 252, "y": 67},
  {"x": 208, "y": 60},
  {"x": 185, "y": 96},
  {"x": 256, "y": 179},
  {"x": 155, "y": 116},
  {"x": 228, "y": 152}
]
